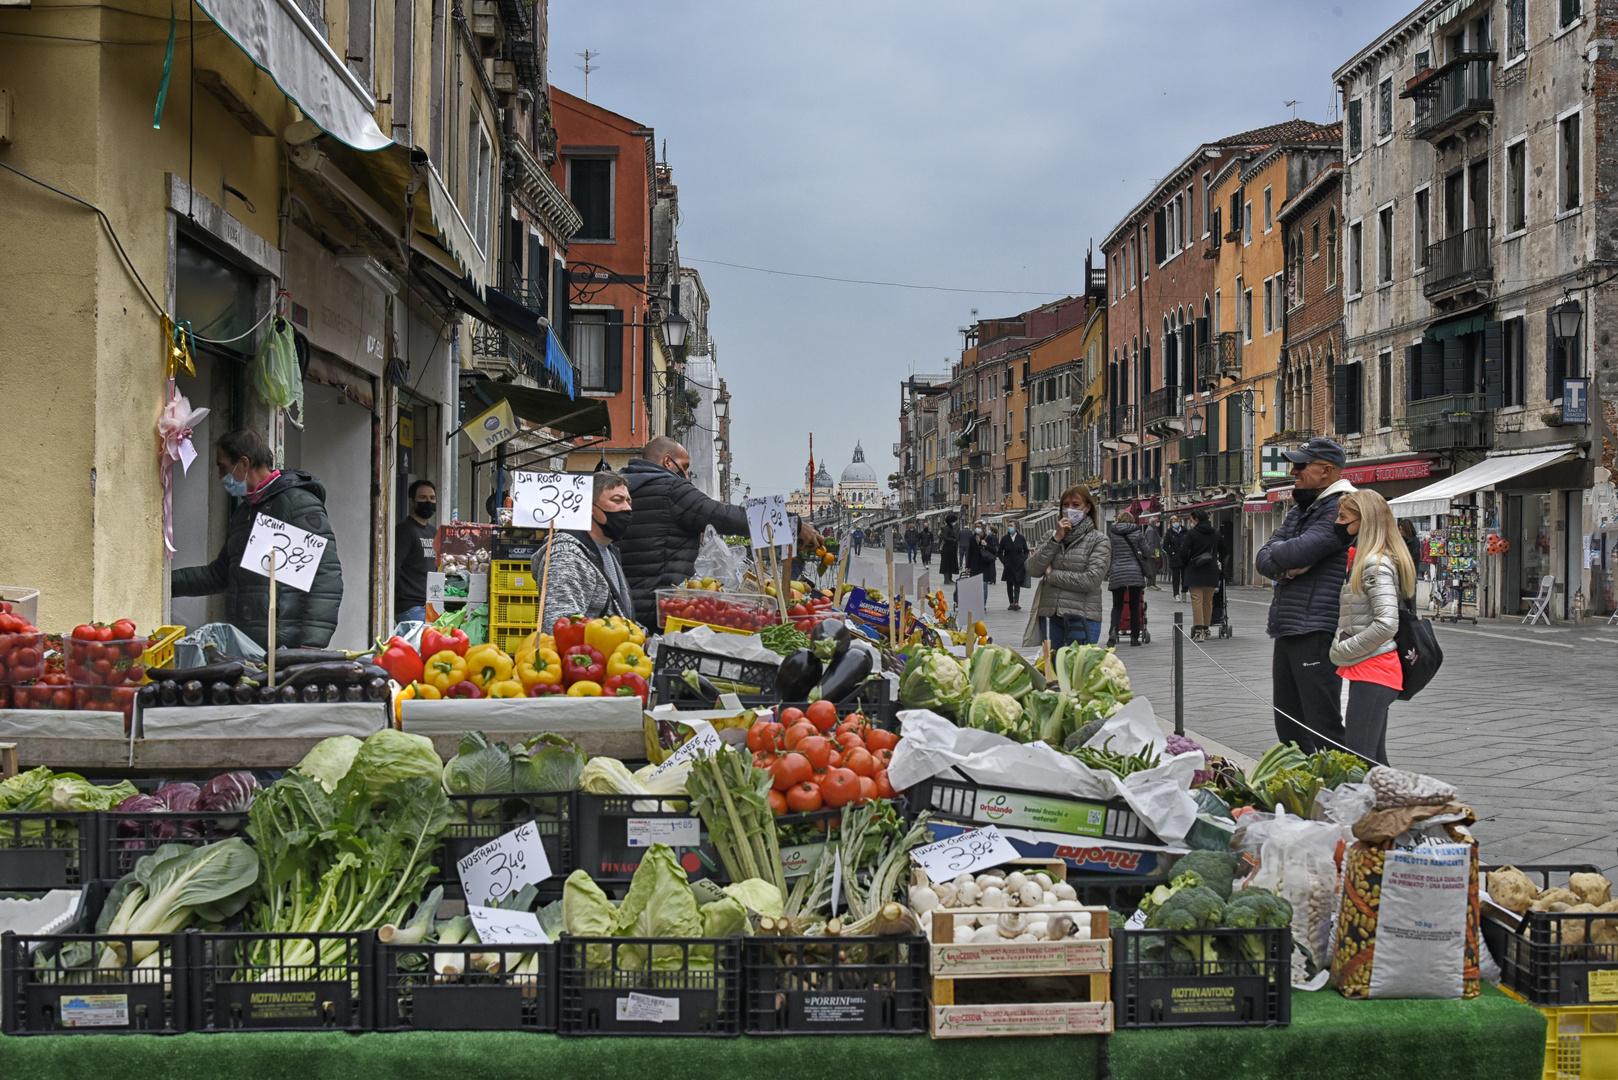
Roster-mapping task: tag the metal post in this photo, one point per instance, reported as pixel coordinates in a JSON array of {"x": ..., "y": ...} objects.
[{"x": 1179, "y": 673}]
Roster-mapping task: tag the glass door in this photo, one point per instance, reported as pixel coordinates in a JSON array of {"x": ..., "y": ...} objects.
[{"x": 1533, "y": 542}]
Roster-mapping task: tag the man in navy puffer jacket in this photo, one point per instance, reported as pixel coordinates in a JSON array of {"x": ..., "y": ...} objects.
[{"x": 1307, "y": 559}]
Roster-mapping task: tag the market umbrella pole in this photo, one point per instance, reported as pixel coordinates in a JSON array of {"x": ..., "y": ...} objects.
[{"x": 545, "y": 576}]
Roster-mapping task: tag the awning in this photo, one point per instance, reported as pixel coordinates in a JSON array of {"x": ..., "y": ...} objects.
[
  {"x": 1390, "y": 470},
  {"x": 1466, "y": 324},
  {"x": 1209, "y": 505},
  {"x": 1257, "y": 504},
  {"x": 491, "y": 306},
  {"x": 585, "y": 418},
  {"x": 1435, "y": 498},
  {"x": 1280, "y": 494},
  {"x": 280, "y": 39}
]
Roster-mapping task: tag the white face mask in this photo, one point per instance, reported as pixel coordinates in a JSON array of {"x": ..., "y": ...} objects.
[{"x": 1074, "y": 514}]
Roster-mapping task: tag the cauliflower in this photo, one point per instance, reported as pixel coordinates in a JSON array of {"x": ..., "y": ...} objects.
[
  {"x": 933, "y": 679},
  {"x": 1179, "y": 744}
]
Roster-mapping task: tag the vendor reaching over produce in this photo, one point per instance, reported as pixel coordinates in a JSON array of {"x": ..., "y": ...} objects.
[
  {"x": 303, "y": 619},
  {"x": 660, "y": 548},
  {"x": 586, "y": 577}
]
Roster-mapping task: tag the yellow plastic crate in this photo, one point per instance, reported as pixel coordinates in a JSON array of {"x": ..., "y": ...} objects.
[
  {"x": 514, "y": 609},
  {"x": 160, "y": 650},
  {"x": 1581, "y": 1042},
  {"x": 512, "y": 577},
  {"x": 672, "y": 625},
  {"x": 509, "y": 638}
]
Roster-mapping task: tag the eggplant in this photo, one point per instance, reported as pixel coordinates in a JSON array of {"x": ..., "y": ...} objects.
[
  {"x": 844, "y": 677},
  {"x": 373, "y": 671},
  {"x": 331, "y": 692},
  {"x": 191, "y": 692},
  {"x": 219, "y": 694},
  {"x": 292, "y": 658},
  {"x": 168, "y": 692},
  {"x": 341, "y": 672},
  {"x": 830, "y": 639},
  {"x": 226, "y": 672},
  {"x": 287, "y": 695},
  {"x": 696, "y": 687},
  {"x": 244, "y": 693},
  {"x": 267, "y": 695},
  {"x": 147, "y": 695},
  {"x": 376, "y": 690},
  {"x": 798, "y": 674},
  {"x": 309, "y": 694},
  {"x": 354, "y": 693}
]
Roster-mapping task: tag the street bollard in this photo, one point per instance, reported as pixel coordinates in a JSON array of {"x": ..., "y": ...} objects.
[{"x": 1179, "y": 673}]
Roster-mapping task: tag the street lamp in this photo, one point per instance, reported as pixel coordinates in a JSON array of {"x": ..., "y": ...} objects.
[
  {"x": 675, "y": 328},
  {"x": 1198, "y": 421},
  {"x": 1566, "y": 317},
  {"x": 720, "y": 407}
]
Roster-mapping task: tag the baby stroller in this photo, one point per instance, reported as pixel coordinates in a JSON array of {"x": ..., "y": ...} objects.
[{"x": 1221, "y": 613}]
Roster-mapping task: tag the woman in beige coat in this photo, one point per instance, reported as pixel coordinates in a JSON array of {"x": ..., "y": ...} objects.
[{"x": 1071, "y": 565}]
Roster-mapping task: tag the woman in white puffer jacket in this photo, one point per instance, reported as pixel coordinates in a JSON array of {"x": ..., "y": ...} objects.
[{"x": 1380, "y": 578}]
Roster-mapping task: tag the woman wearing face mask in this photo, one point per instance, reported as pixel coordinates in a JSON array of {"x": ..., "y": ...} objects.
[
  {"x": 303, "y": 619},
  {"x": 1071, "y": 566},
  {"x": 1381, "y": 576},
  {"x": 586, "y": 577}
]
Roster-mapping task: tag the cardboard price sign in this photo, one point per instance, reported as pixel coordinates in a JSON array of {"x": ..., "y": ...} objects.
[
  {"x": 497, "y": 927},
  {"x": 294, "y": 553},
  {"x": 504, "y": 865},
  {"x": 547, "y": 499},
  {"x": 768, "y": 524},
  {"x": 966, "y": 853}
]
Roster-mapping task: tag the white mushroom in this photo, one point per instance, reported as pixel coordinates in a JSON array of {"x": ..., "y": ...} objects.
[
  {"x": 968, "y": 894},
  {"x": 1039, "y": 926},
  {"x": 923, "y": 899},
  {"x": 994, "y": 898},
  {"x": 986, "y": 935},
  {"x": 1058, "y": 927},
  {"x": 1029, "y": 894},
  {"x": 963, "y": 879},
  {"x": 1047, "y": 899},
  {"x": 1025, "y": 937},
  {"x": 1015, "y": 881},
  {"x": 965, "y": 924},
  {"x": 1043, "y": 878},
  {"x": 998, "y": 881},
  {"x": 1064, "y": 891},
  {"x": 946, "y": 896},
  {"x": 1012, "y": 924}
]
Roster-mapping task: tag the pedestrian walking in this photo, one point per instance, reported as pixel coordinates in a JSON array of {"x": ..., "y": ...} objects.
[
  {"x": 1407, "y": 531},
  {"x": 1174, "y": 550},
  {"x": 991, "y": 555},
  {"x": 1126, "y": 577},
  {"x": 1014, "y": 565},
  {"x": 1200, "y": 550},
  {"x": 978, "y": 562},
  {"x": 1153, "y": 543},
  {"x": 1071, "y": 565},
  {"x": 858, "y": 537},
  {"x": 926, "y": 541},
  {"x": 949, "y": 553},
  {"x": 1381, "y": 577},
  {"x": 911, "y": 537},
  {"x": 1304, "y": 556}
]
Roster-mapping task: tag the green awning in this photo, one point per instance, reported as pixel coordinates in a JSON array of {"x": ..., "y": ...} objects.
[
  {"x": 582, "y": 417},
  {"x": 1467, "y": 324}
]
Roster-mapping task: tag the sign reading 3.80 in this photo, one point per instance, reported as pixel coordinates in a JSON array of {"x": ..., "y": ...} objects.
[{"x": 540, "y": 500}]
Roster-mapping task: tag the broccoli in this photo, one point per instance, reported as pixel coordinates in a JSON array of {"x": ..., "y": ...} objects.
[
  {"x": 1213, "y": 869},
  {"x": 1252, "y": 909},
  {"x": 1160, "y": 895},
  {"x": 1194, "y": 907}
]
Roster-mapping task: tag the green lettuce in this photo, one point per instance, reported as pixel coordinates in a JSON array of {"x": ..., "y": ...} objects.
[
  {"x": 659, "y": 904},
  {"x": 329, "y": 760},
  {"x": 27, "y": 791},
  {"x": 77, "y": 794},
  {"x": 586, "y": 912},
  {"x": 390, "y": 757},
  {"x": 758, "y": 895}
]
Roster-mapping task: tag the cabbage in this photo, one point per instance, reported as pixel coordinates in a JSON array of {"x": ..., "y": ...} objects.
[
  {"x": 659, "y": 904},
  {"x": 79, "y": 794},
  {"x": 609, "y": 776},
  {"x": 25, "y": 791},
  {"x": 479, "y": 767},
  {"x": 759, "y": 895},
  {"x": 391, "y": 757},
  {"x": 724, "y": 918},
  {"x": 586, "y": 912},
  {"x": 672, "y": 782},
  {"x": 330, "y": 760},
  {"x": 553, "y": 764}
]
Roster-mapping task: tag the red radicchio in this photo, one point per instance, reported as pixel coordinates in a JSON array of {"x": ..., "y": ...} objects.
[{"x": 228, "y": 793}]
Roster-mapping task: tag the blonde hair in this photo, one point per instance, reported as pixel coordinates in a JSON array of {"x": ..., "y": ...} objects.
[
  {"x": 1078, "y": 491},
  {"x": 1125, "y": 517},
  {"x": 1378, "y": 535}
]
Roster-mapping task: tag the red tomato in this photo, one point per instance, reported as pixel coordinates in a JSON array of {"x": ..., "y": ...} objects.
[
  {"x": 877, "y": 739},
  {"x": 850, "y": 742},
  {"x": 823, "y": 714},
  {"x": 123, "y": 629},
  {"x": 788, "y": 717},
  {"x": 861, "y": 761},
  {"x": 867, "y": 790},
  {"x": 778, "y": 802},
  {"x": 884, "y": 758},
  {"x": 836, "y": 758},
  {"x": 840, "y": 787},
  {"x": 797, "y": 733},
  {"x": 884, "y": 787},
  {"x": 764, "y": 760},
  {"x": 84, "y": 632},
  {"x": 790, "y": 769},
  {"x": 758, "y": 739},
  {"x": 103, "y": 633},
  {"x": 850, "y": 724},
  {"x": 133, "y": 649},
  {"x": 817, "y": 749},
  {"x": 62, "y": 699},
  {"x": 803, "y": 798}
]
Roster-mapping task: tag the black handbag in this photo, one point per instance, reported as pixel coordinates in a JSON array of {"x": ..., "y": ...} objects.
[{"x": 1420, "y": 656}]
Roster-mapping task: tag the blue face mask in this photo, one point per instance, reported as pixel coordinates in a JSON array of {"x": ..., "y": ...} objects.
[{"x": 233, "y": 486}]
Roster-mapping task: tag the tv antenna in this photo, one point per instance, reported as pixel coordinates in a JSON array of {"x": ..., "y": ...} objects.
[
  {"x": 1294, "y": 106},
  {"x": 586, "y": 67}
]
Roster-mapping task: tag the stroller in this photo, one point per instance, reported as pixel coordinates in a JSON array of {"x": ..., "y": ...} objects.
[
  {"x": 1126, "y": 622},
  {"x": 1220, "y": 615}
]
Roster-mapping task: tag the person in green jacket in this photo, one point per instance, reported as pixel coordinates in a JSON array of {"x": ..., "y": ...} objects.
[{"x": 303, "y": 619}]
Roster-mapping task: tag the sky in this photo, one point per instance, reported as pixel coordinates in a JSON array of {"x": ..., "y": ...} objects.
[{"x": 981, "y": 147}]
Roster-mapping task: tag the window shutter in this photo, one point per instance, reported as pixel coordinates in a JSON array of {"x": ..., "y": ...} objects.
[
  {"x": 1159, "y": 238},
  {"x": 1454, "y": 365},
  {"x": 1215, "y": 236},
  {"x": 560, "y": 311},
  {"x": 538, "y": 261},
  {"x": 1432, "y": 368},
  {"x": 1494, "y": 365},
  {"x": 1145, "y": 372},
  {"x": 1555, "y": 360},
  {"x": 615, "y": 352},
  {"x": 1412, "y": 373},
  {"x": 1342, "y": 395},
  {"x": 1212, "y": 434}
]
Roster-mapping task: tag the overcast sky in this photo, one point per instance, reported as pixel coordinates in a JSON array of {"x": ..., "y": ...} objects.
[{"x": 975, "y": 146}]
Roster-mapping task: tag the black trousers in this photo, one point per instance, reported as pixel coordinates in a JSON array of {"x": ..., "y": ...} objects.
[
  {"x": 1131, "y": 596},
  {"x": 1013, "y": 585},
  {"x": 1306, "y": 691},
  {"x": 1365, "y": 725},
  {"x": 1177, "y": 576}
]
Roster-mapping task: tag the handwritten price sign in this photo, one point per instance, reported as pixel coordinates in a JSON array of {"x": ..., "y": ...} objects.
[
  {"x": 767, "y": 523},
  {"x": 295, "y": 554},
  {"x": 967, "y": 853},
  {"x": 497, "y": 927},
  {"x": 504, "y": 865},
  {"x": 544, "y": 499}
]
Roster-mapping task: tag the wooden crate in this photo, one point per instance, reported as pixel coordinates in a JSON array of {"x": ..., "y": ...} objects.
[{"x": 1020, "y": 988}]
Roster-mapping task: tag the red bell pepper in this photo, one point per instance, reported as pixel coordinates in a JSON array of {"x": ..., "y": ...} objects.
[
  {"x": 625, "y": 684},
  {"x": 465, "y": 690},
  {"x": 543, "y": 689},
  {"x": 583, "y": 662},
  {"x": 401, "y": 661},
  {"x": 568, "y": 632},
  {"x": 434, "y": 640}
]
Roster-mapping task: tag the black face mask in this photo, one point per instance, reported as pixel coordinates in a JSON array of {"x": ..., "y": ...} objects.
[
  {"x": 1304, "y": 496},
  {"x": 1343, "y": 534},
  {"x": 425, "y": 509},
  {"x": 616, "y": 523}
]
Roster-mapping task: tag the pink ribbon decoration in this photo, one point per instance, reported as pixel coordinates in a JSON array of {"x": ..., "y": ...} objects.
[{"x": 173, "y": 432}]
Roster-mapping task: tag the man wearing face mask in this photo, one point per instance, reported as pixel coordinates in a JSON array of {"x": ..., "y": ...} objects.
[
  {"x": 660, "y": 548},
  {"x": 247, "y": 472},
  {"x": 586, "y": 577},
  {"x": 413, "y": 553}
]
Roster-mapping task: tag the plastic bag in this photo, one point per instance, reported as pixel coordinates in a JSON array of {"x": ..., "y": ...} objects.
[
  {"x": 226, "y": 640},
  {"x": 1298, "y": 861},
  {"x": 1345, "y": 804},
  {"x": 276, "y": 376},
  {"x": 718, "y": 560}
]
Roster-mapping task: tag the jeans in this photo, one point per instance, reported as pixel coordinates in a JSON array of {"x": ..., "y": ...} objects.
[
  {"x": 1307, "y": 689},
  {"x": 858, "y": 543},
  {"x": 1071, "y": 630},
  {"x": 415, "y": 614},
  {"x": 910, "y": 552},
  {"x": 1365, "y": 725}
]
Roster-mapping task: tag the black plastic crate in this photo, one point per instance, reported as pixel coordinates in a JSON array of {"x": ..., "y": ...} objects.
[
  {"x": 416, "y": 991},
  {"x": 283, "y": 982},
  {"x": 835, "y": 985},
  {"x": 1151, "y": 989},
  {"x": 47, "y": 849},
  {"x": 700, "y": 996},
  {"x": 872, "y": 698},
  {"x": 1548, "y": 958},
  {"x": 979, "y": 804},
  {"x": 126, "y": 838},
  {"x": 480, "y": 819},
  {"x": 56, "y": 984},
  {"x": 672, "y": 661},
  {"x": 1115, "y": 892},
  {"x": 603, "y": 830}
]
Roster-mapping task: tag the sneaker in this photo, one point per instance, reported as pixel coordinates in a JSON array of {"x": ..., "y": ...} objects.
[
  {"x": 1014, "y": 607},
  {"x": 1155, "y": 588}
]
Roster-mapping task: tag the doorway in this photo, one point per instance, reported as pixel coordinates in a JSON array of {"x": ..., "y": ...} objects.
[{"x": 1530, "y": 524}]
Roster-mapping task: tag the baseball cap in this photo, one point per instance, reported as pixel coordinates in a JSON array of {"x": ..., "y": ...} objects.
[{"x": 1318, "y": 449}]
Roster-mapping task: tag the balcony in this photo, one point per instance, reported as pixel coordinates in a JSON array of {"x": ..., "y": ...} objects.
[
  {"x": 1460, "y": 263},
  {"x": 978, "y": 461},
  {"x": 1182, "y": 478},
  {"x": 1226, "y": 468},
  {"x": 1452, "y": 97},
  {"x": 1124, "y": 424},
  {"x": 1219, "y": 359},
  {"x": 1451, "y": 422},
  {"x": 1164, "y": 407}
]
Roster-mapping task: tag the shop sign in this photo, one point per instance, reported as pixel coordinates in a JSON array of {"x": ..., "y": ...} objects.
[
  {"x": 1575, "y": 401},
  {"x": 493, "y": 426},
  {"x": 1273, "y": 462},
  {"x": 1397, "y": 470}
]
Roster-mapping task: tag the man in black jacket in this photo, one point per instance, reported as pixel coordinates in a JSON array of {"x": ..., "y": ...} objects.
[
  {"x": 660, "y": 548},
  {"x": 1308, "y": 561}
]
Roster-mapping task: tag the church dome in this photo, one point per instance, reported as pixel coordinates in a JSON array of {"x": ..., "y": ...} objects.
[{"x": 858, "y": 472}]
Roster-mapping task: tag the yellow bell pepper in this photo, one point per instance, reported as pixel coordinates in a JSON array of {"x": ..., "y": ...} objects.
[
  {"x": 629, "y": 657},
  {"x": 541, "y": 666},
  {"x": 504, "y": 689},
  {"x": 605, "y": 635},
  {"x": 486, "y": 664},
  {"x": 537, "y": 640},
  {"x": 443, "y": 670},
  {"x": 414, "y": 690},
  {"x": 584, "y": 688}
]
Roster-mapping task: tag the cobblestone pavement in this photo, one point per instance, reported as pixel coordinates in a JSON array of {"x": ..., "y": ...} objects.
[{"x": 1522, "y": 720}]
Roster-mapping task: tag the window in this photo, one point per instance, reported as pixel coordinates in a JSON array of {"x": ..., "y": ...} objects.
[
  {"x": 1420, "y": 227},
  {"x": 1269, "y": 301},
  {"x": 1145, "y": 264},
  {"x": 1384, "y": 108},
  {"x": 1516, "y": 185},
  {"x": 1355, "y": 143},
  {"x": 1247, "y": 315},
  {"x": 1570, "y": 11},
  {"x": 1515, "y": 390},
  {"x": 1131, "y": 262},
  {"x": 1348, "y": 385},
  {"x": 1384, "y": 254},
  {"x": 1314, "y": 239},
  {"x": 1247, "y": 223},
  {"x": 1384, "y": 390},
  {"x": 1269, "y": 210},
  {"x": 589, "y": 348},
  {"x": 1356, "y": 252},
  {"x": 589, "y": 185},
  {"x": 1570, "y": 165},
  {"x": 1217, "y": 305},
  {"x": 1331, "y": 249},
  {"x": 1516, "y": 28},
  {"x": 480, "y": 174}
]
